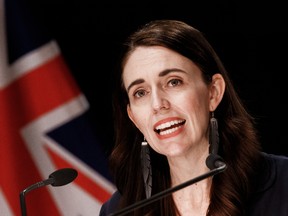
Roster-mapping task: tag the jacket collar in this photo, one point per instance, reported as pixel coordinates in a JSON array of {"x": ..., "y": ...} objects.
[{"x": 267, "y": 175}]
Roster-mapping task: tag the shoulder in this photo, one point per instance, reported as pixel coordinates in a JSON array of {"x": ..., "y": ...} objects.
[
  {"x": 271, "y": 187},
  {"x": 278, "y": 162},
  {"x": 110, "y": 205},
  {"x": 273, "y": 176},
  {"x": 275, "y": 166}
]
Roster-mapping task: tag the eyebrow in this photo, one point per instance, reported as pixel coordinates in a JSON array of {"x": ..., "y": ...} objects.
[{"x": 161, "y": 74}]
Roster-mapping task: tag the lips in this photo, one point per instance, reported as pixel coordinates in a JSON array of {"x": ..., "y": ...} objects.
[{"x": 169, "y": 127}]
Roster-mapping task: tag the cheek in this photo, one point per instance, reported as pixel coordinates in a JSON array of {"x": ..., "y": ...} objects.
[
  {"x": 139, "y": 117},
  {"x": 195, "y": 105},
  {"x": 192, "y": 101}
]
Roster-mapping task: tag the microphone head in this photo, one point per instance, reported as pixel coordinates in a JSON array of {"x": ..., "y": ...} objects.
[
  {"x": 63, "y": 176},
  {"x": 214, "y": 161}
]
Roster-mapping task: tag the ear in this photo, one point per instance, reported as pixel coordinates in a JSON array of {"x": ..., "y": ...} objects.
[{"x": 217, "y": 89}]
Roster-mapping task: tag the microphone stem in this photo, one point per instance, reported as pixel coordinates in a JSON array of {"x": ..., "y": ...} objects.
[
  {"x": 164, "y": 193},
  {"x": 23, "y": 205},
  {"x": 38, "y": 185},
  {"x": 30, "y": 188}
]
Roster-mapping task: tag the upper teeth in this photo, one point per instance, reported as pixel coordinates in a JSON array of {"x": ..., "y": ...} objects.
[{"x": 168, "y": 124}]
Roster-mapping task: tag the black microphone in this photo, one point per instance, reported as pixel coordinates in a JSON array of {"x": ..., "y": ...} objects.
[
  {"x": 219, "y": 166},
  {"x": 57, "y": 178},
  {"x": 213, "y": 161}
]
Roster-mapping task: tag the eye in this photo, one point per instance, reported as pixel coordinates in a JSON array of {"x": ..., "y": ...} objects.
[
  {"x": 140, "y": 93},
  {"x": 175, "y": 82}
]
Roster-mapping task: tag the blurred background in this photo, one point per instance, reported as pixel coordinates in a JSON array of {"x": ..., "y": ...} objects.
[{"x": 251, "y": 41}]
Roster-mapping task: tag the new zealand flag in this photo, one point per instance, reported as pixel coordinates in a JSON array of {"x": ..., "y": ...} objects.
[{"x": 43, "y": 124}]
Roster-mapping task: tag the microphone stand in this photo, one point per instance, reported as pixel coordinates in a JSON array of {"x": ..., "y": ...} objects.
[{"x": 164, "y": 193}]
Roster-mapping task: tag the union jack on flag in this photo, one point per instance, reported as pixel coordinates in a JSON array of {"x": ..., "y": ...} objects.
[{"x": 43, "y": 124}]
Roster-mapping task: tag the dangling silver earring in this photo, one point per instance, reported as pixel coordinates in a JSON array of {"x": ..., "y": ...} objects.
[
  {"x": 146, "y": 167},
  {"x": 144, "y": 142}
]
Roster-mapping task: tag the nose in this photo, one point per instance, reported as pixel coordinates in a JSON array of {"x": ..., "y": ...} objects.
[{"x": 160, "y": 102}]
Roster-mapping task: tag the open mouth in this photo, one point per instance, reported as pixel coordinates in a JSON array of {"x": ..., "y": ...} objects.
[{"x": 169, "y": 127}]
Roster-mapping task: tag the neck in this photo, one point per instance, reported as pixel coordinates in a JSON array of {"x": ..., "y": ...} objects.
[
  {"x": 195, "y": 199},
  {"x": 184, "y": 168}
]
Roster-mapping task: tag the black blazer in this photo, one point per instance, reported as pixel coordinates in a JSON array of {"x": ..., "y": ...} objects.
[{"x": 269, "y": 199}]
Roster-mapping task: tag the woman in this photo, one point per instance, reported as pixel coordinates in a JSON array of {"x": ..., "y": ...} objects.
[{"x": 173, "y": 92}]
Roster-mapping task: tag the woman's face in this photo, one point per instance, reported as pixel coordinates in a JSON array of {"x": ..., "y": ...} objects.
[{"x": 169, "y": 101}]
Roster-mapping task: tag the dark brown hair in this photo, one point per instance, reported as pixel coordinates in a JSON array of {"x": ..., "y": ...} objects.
[{"x": 239, "y": 145}]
